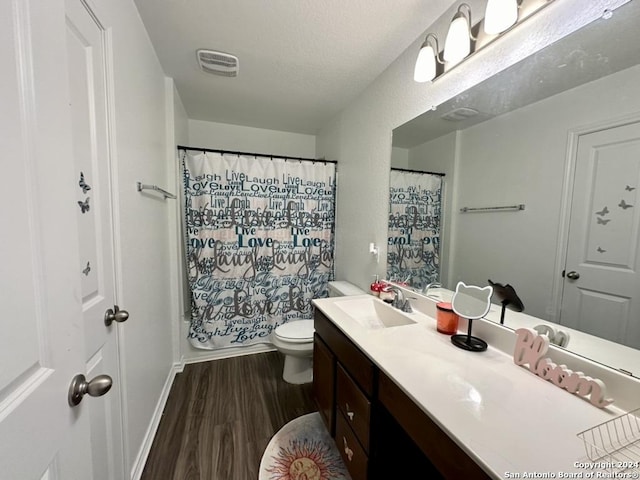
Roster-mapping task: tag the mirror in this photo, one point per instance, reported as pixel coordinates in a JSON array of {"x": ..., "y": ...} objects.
[{"x": 513, "y": 140}]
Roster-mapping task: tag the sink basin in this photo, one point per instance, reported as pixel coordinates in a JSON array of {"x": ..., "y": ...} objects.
[{"x": 373, "y": 313}]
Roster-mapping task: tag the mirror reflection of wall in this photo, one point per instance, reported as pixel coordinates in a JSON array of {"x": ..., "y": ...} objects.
[
  {"x": 413, "y": 249},
  {"x": 529, "y": 156}
]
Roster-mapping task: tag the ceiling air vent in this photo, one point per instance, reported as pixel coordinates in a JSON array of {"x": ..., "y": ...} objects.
[
  {"x": 460, "y": 114},
  {"x": 218, "y": 63}
]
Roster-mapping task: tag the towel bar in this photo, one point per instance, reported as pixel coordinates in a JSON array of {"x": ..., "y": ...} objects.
[{"x": 166, "y": 194}]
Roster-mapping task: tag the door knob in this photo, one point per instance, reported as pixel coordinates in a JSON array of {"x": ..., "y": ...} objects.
[
  {"x": 116, "y": 315},
  {"x": 573, "y": 275},
  {"x": 95, "y": 387}
]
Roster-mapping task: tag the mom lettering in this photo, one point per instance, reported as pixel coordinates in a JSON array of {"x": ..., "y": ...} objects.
[{"x": 530, "y": 349}]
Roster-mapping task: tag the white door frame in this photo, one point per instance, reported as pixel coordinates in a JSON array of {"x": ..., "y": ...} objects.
[{"x": 573, "y": 138}]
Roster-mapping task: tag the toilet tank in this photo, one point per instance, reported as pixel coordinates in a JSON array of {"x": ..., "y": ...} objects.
[{"x": 341, "y": 288}]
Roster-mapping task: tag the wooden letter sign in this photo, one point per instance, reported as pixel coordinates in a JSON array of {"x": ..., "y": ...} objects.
[{"x": 530, "y": 348}]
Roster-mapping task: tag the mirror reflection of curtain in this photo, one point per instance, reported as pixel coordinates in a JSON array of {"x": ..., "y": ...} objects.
[
  {"x": 415, "y": 205},
  {"x": 260, "y": 242}
]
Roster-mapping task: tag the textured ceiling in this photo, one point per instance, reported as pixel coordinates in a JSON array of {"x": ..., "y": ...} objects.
[
  {"x": 599, "y": 49},
  {"x": 301, "y": 61}
]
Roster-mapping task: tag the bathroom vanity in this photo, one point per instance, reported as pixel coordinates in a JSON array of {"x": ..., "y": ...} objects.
[
  {"x": 379, "y": 430},
  {"x": 398, "y": 398}
]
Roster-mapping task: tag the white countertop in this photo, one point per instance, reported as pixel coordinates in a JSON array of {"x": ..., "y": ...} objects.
[{"x": 507, "y": 419}]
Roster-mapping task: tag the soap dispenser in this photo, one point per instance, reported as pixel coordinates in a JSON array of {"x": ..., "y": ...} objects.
[{"x": 376, "y": 287}]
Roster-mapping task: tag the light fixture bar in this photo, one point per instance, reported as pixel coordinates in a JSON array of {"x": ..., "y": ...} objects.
[{"x": 460, "y": 43}]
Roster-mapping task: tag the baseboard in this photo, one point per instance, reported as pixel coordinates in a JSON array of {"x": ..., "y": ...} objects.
[
  {"x": 143, "y": 453},
  {"x": 206, "y": 356}
]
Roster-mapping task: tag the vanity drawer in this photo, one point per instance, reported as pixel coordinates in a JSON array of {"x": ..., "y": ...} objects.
[
  {"x": 354, "y": 405},
  {"x": 352, "y": 453},
  {"x": 354, "y": 361}
]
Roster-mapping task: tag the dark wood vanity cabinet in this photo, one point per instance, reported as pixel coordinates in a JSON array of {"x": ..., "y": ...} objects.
[
  {"x": 324, "y": 379},
  {"x": 380, "y": 432}
]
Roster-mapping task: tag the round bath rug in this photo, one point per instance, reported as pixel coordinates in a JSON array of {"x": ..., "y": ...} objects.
[{"x": 302, "y": 450}]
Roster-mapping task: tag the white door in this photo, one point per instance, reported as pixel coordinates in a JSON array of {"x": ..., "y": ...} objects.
[
  {"x": 601, "y": 292},
  {"x": 88, "y": 83},
  {"x": 41, "y": 344}
]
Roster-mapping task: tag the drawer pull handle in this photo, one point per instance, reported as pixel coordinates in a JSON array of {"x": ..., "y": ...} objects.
[
  {"x": 349, "y": 413},
  {"x": 347, "y": 450}
]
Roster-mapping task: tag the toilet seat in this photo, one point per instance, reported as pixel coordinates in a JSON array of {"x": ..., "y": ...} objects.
[{"x": 298, "y": 331}]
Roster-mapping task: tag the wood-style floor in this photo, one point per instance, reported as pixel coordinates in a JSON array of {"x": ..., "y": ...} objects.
[{"x": 220, "y": 416}]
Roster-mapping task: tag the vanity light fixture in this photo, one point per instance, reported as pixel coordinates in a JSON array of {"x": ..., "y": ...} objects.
[
  {"x": 458, "y": 43},
  {"x": 500, "y": 15},
  {"x": 426, "y": 66}
]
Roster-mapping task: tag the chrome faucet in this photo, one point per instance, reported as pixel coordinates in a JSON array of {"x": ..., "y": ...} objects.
[
  {"x": 400, "y": 302},
  {"x": 425, "y": 290}
]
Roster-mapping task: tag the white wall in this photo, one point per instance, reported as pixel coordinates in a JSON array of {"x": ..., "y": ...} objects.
[
  {"x": 177, "y": 131},
  {"x": 141, "y": 228},
  {"x": 248, "y": 139},
  {"x": 360, "y": 136},
  {"x": 399, "y": 157},
  {"x": 180, "y": 119},
  {"x": 518, "y": 158},
  {"x": 439, "y": 156}
]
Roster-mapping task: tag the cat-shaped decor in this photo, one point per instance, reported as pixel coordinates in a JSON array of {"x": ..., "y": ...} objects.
[{"x": 470, "y": 301}]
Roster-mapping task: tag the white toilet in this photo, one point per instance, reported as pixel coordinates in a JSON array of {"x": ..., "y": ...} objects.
[{"x": 295, "y": 339}]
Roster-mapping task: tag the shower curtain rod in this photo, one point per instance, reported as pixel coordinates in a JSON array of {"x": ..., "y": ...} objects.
[
  {"x": 251, "y": 154},
  {"x": 418, "y": 171}
]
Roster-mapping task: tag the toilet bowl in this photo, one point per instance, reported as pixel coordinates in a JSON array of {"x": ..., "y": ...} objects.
[{"x": 295, "y": 339}]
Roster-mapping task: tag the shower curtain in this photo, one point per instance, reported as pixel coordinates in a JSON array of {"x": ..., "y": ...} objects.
[
  {"x": 259, "y": 243},
  {"x": 413, "y": 250}
]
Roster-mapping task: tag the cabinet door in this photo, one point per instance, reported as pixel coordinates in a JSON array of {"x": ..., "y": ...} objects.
[
  {"x": 324, "y": 382},
  {"x": 354, "y": 405},
  {"x": 354, "y": 457}
]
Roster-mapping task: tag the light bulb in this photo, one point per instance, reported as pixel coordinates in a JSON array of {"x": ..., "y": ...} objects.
[
  {"x": 458, "y": 42},
  {"x": 425, "y": 65},
  {"x": 500, "y": 15}
]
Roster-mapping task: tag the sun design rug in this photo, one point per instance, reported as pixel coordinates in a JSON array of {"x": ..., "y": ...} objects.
[{"x": 302, "y": 450}]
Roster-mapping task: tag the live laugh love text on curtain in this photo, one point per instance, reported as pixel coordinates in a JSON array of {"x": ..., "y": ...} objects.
[
  {"x": 260, "y": 241},
  {"x": 413, "y": 250}
]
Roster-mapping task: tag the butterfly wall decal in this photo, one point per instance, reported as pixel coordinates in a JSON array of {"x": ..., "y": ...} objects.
[
  {"x": 84, "y": 206},
  {"x": 602, "y": 221},
  {"x": 83, "y": 185},
  {"x": 603, "y": 212},
  {"x": 87, "y": 269},
  {"x": 601, "y": 250},
  {"x": 629, "y": 188},
  {"x": 624, "y": 205}
]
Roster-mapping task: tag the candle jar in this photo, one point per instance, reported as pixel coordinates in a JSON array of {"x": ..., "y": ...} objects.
[{"x": 447, "y": 319}]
